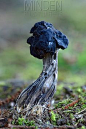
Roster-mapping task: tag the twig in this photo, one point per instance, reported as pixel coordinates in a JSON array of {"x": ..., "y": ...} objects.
[
  {"x": 80, "y": 114},
  {"x": 67, "y": 106},
  {"x": 20, "y": 126},
  {"x": 83, "y": 111},
  {"x": 71, "y": 104}
]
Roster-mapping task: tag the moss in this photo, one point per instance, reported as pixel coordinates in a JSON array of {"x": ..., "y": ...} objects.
[
  {"x": 53, "y": 118},
  {"x": 79, "y": 90},
  {"x": 71, "y": 115},
  {"x": 82, "y": 100},
  {"x": 13, "y": 122},
  {"x": 23, "y": 121},
  {"x": 83, "y": 127},
  {"x": 62, "y": 103}
]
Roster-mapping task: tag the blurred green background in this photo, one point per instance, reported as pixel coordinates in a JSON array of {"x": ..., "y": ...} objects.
[{"x": 16, "y": 19}]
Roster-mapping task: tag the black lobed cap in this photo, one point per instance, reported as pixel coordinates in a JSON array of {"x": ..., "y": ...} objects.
[{"x": 46, "y": 39}]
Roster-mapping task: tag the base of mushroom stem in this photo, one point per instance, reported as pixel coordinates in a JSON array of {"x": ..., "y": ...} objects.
[{"x": 38, "y": 112}]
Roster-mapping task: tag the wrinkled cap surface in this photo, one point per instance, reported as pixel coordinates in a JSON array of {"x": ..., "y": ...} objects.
[{"x": 46, "y": 39}]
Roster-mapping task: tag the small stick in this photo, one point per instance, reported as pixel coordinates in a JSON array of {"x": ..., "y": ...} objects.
[
  {"x": 83, "y": 111},
  {"x": 20, "y": 126},
  {"x": 68, "y": 105},
  {"x": 71, "y": 104}
]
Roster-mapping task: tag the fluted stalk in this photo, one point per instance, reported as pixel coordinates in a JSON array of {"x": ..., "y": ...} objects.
[{"x": 42, "y": 90}]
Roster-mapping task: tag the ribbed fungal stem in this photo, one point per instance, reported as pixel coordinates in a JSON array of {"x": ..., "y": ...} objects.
[
  {"x": 50, "y": 65},
  {"x": 42, "y": 90}
]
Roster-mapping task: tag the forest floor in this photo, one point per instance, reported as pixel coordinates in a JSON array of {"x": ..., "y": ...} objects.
[{"x": 68, "y": 109}]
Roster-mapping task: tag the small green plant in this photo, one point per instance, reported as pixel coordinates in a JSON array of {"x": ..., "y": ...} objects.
[
  {"x": 83, "y": 127},
  {"x": 53, "y": 118},
  {"x": 30, "y": 123},
  {"x": 79, "y": 90},
  {"x": 82, "y": 99},
  {"x": 13, "y": 122},
  {"x": 71, "y": 115},
  {"x": 22, "y": 121}
]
